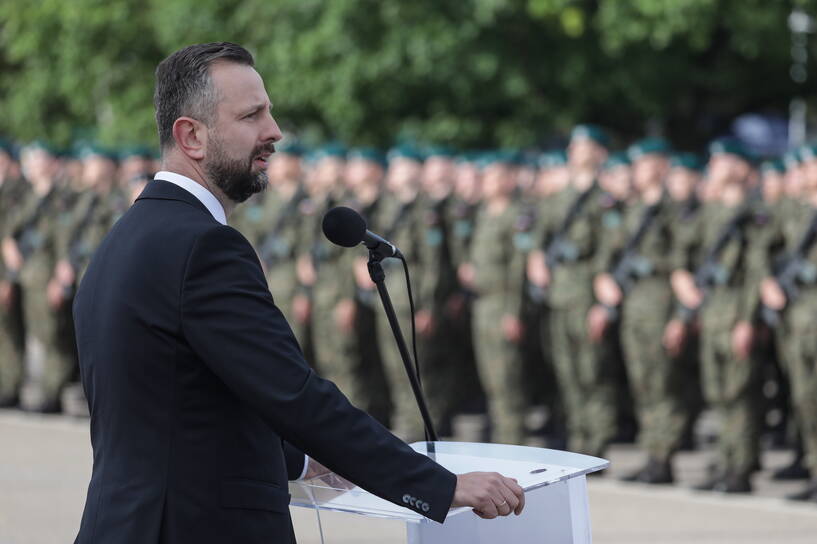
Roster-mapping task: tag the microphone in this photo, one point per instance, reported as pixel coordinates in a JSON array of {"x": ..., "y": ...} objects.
[{"x": 345, "y": 227}]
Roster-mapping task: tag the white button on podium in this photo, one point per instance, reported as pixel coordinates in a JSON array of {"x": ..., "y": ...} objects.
[{"x": 556, "y": 507}]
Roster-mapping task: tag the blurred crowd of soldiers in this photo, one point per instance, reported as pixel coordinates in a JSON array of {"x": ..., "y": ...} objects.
[{"x": 625, "y": 291}]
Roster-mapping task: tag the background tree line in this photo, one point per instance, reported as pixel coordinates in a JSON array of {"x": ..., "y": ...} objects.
[{"x": 473, "y": 73}]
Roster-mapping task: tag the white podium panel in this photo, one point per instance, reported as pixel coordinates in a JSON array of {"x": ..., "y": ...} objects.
[{"x": 556, "y": 508}]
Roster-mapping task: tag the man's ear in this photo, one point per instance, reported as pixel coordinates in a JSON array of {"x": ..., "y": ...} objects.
[{"x": 191, "y": 137}]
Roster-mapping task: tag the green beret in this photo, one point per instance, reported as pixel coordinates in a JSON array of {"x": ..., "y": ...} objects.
[
  {"x": 405, "y": 151},
  {"x": 291, "y": 146},
  {"x": 41, "y": 145},
  {"x": 730, "y": 146},
  {"x": 791, "y": 158},
  {"x": 648, "y": 146},
  {"x": 616, "y": 159},
  {"x": 88, "y": 150},
  {"x": 552, "y": 159},
  {"x": 506, "y": 156},
  {"x": 808, "y": 152},
  {"x": 7, "y": 148},
  {"x": 140, "y": 151},
  {"x": 334, "y": 150},
  {"x": 368, "y": 154},
  {"x": 773, "y": 165},
  {"x": 439, "y": 151},
  {"x": 590, "y": 132},
  {"x": 690, "y": 161}
]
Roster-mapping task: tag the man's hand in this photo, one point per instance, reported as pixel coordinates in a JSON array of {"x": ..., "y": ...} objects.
[
  {"x": 345, "y": 314},
  {"x": 424, "y": 322},
  {"x": 538, "y": 273},
  {"x": 301, "y": 308},
  {"x": 743, "y": 337},
  {"x": 305, "y": 270},
  {"x": 55, "y": 294},
  {"x": 6, "y": 294},
  {"x": 11, "y": 255},
  {"x": 489, "y": 494},
  {"x": 597, "y": 321},
  {"x": 675, "y": 334},
  {"x": 607, "y": 290},
  {"x": 683, "y": 285},
  {"x": 467, "y": 275},
  {"x": 772, "y": 294},
  {"x": 360, "y": 268},
  {"x": 512, "y": 328}
]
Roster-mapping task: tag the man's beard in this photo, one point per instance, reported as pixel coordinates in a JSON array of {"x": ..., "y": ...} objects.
[{"x": 235, "y": 177}]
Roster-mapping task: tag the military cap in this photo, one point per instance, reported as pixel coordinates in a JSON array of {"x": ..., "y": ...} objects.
[
  {"x": 808, "y": 152},
  {"x": 552, "y": 159},
  {"x": 88, "y": 150},
  {"x": 773, "y": 165},
  {"x": 616, "y": 159},
  {"x": 7, "y": 147},
  {"x": 590, "y": 132},
  {"x": 731, "y": 146},
  {"x": 41, "y": 145},
  {"x": 140, "y": 151},
  {"x": 439, "y": 151},
  {"x": 367, "y": 154},
  {"x": 791, "y": 158},
  {"x": 690, "y": 161},
  {"x": 333, "y": 149},
  {"x": 505, "y": 156},
  {"x": 405, "y": 151},
  {"x": 291, "y": 146},
  {"x": 648, "y": 146}
]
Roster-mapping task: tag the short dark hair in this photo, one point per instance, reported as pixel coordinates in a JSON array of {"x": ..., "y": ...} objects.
[{"x": 184, "y": 86}]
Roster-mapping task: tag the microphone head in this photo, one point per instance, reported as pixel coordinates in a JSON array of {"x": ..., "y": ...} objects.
[{"x": 344, "y": 226}]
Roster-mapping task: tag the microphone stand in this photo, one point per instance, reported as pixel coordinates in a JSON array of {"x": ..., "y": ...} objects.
[{"x": 378, "y": 275}]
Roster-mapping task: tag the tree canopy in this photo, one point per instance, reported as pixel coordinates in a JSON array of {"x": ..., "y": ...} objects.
[{"x": 471, "y": 73}]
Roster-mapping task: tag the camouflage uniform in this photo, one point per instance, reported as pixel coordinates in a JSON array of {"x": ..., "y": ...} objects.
[
  {"x": 499, "y": 272},
  {"x": 12, "y": 331}
]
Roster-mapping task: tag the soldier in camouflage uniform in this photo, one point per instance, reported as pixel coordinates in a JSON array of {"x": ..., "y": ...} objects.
[
  {"x": 639, "y": 284},
  {"x": 12, "y": 334},
  {"x": 495, "y": 272},
  {"x": 566, "y": 269},
  {"x": 343, "y": 298},
  {"x": 99, "y": 204},
  {"x": 397, "y": 219},
  {"x": 799, "y": 309},
  {"x": 727, "y": 300},
  {"x": 30, "y": 253}
]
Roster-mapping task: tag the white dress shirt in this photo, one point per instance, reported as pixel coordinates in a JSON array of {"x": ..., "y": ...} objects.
[
  {"x": 217, "y": 210},
  {"x": 197, "y": 190}
]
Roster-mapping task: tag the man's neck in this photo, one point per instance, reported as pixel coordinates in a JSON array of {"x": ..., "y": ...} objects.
[{"x": 196, "y": 173}]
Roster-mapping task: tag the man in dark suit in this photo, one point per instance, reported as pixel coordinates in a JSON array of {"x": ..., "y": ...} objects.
[{"x": 201, "y": 402}]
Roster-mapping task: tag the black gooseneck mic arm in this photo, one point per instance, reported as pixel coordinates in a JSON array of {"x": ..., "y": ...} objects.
[
  {"x": 378, "y": 276},
  {"x": 345, "y": 227}
]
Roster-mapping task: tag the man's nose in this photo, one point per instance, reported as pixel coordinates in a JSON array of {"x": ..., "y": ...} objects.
[{"x": 271, "y": 131}]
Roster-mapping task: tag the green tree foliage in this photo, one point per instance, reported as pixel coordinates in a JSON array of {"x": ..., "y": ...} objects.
[{"x": 474, "y": 73}]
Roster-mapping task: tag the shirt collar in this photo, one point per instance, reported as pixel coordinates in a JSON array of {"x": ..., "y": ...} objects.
[{"x": 206, "y": 197}]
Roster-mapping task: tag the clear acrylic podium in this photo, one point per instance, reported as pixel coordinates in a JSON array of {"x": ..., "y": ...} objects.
[{"x": 556, "y": 507}]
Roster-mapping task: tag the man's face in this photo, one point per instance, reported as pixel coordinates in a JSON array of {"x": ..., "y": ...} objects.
[
  {"x": 243, "y": 135},
  {"x": 648, "y": 171},
  {"x": 681, "y": 183},
  {"x": 585, "y": 153}
]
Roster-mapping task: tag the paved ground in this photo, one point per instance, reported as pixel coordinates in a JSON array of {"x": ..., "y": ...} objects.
[{"x": 45, "y": 463}]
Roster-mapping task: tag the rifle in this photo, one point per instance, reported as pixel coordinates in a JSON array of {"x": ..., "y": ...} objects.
[
  {"x": 794, "y": 270},
  {"x": 630, "y": 265},
  {"x": 560, "y": 249},
  {"x": 77, "y": 250},
  {"x": 27, "y": 237},
  {"x": 711, "y": 272},
  {"x": 272, "y": 248}
]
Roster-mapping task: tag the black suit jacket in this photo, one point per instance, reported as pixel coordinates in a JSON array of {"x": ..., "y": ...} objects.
[{"x": 200, "y": 397}]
